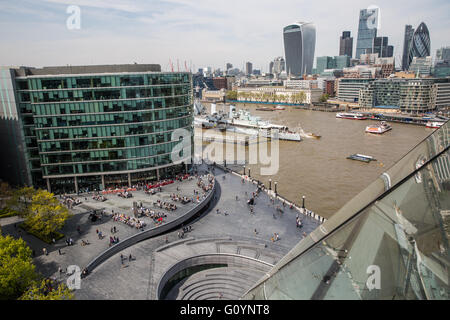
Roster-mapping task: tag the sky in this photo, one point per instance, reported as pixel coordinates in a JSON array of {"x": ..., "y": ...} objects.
[{"x": 196, "y": 33}]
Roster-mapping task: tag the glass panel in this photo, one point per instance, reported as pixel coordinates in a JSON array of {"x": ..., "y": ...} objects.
[{"x": 381, "y": 245}]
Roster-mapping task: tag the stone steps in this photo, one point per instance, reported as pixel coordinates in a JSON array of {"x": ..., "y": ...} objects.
[{"x": 232, "y": 283}]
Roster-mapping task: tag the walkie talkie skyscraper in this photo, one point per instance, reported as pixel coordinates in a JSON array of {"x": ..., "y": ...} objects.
[{"x": 299, "y": 47}]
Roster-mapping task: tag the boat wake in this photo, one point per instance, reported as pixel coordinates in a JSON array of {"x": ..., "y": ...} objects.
[{"x": 307, "y": 135}]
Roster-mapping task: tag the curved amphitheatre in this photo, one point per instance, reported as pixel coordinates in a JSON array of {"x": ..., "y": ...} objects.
[{"x": 221, "y": 258}]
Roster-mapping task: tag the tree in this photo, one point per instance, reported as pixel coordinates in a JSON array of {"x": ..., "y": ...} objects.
[
  {"x": 299, "y": 97},
  {"x": 47, "y": 290},
  {"x": 324, "y": 97},
  {"x": 5, "y": 193},
  {"x": 20, "y": 200},
  {"x": 47, "y": 214},
  {"x": 17, "y": 270},
  {"x": 232, "y": 95}
]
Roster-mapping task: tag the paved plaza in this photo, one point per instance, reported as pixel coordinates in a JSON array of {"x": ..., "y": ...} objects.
[{"x": 227, "y": 217}]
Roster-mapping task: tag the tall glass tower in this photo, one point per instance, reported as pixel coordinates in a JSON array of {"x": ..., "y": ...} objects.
[
  {"x": 409, "y": 32},
  {"x": 346, "y": 44},
  {"x": 421, "y": 45},
  {"x": 299, "y": 47},
  {"x": 367, "y": 30}
]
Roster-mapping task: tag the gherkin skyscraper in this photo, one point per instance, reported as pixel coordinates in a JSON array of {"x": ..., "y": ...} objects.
[{"x": 421, "y": 44}]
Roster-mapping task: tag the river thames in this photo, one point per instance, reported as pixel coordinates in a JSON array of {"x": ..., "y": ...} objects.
[{"x": 318, "y": 168}]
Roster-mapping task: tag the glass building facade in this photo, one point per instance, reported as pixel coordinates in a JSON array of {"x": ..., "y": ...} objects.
[
  {"x": 346, "y": 44},
  {"x": 367, "y": 31},
  {"x": 299, "y": 48},
  {"x": 409, "y": 33},
  {"x": 390, "y": 242},
  {"x": 94, "y": 128},
  {"x": 420, "y": 46}
]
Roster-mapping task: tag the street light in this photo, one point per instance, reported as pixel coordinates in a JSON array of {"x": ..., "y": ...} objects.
[
  {"x": 244, "y": 170},
  {"x": 276, "y": 183},
  {"x": 270, "y": 184},
  {"x": 249, "y": 173},
  {"x": 303, "y": 202}
]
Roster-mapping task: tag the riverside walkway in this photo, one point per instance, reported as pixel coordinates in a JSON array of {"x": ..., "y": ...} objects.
[
  {"x": 231, "y": 230},
  {"x": 225, "y": 227}
]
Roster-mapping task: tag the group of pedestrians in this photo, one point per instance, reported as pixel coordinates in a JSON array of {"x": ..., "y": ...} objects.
[
  {"x": 113, "y": 240},
  {"x": 275, "y": 237},
  {"x": 123, "y": 258}
]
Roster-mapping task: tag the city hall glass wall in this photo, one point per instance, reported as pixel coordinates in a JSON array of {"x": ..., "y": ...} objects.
[
  {"x": 390, "y": 242},
  {"x": 92, "y": 131}
]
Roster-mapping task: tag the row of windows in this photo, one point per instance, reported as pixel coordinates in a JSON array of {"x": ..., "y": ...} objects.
[
  {"x": 99, "y": 143},
  {"x": 101, "y": 81},
  {"x": 109, "y": 106},
  {"x": 106, "y": 155},
  {"x": 105, "y": 94},
  {"x": 107, "y": 167},
  {"x": 111, "y": 131},
  {"x": 112, "y": 118}
]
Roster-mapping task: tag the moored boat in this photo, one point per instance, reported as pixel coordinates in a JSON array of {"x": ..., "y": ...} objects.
[
  {"x": 434, "y": 124},
  {"x": 265, "y": 109},
  {"x": 351, "y": 115}
]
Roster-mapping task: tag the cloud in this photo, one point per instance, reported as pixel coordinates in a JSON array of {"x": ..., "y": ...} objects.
[{"x": 204, "y": 31}]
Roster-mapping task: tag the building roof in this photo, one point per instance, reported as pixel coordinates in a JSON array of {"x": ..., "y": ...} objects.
[{"x": 88, "y": 69}]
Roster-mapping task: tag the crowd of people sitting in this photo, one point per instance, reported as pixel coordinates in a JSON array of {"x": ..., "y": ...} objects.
[
  {"x": 130, "y": 221},
  {"x": 165, "y": 205},
  {"x": 125, "y": 195},
  {"x": 98, "y": 197},
  {"x": 205, "y": 185},
  {"x": 177, "y": 197},
  {"x": 70, "y": 202}
]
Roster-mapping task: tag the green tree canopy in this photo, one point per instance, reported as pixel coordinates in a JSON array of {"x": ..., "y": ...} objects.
[
  {"x": 47, "y": 290},
  {"x": 324, "y": 97},
  {"x": 47, "y": 214},
  {"x": 17, "y": 270},
  {"x": 20, "y": 200},
  {"x": 232, "y": 95}
]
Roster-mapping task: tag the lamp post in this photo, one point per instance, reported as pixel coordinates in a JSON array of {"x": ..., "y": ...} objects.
[
  {"x": 270, "y": 184},
  {"x": 249, "y": 173},
  {"x": 244, "y": 170},
  {"x": 276, "y": 183},
  {"x": 303, "y": 202}
]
